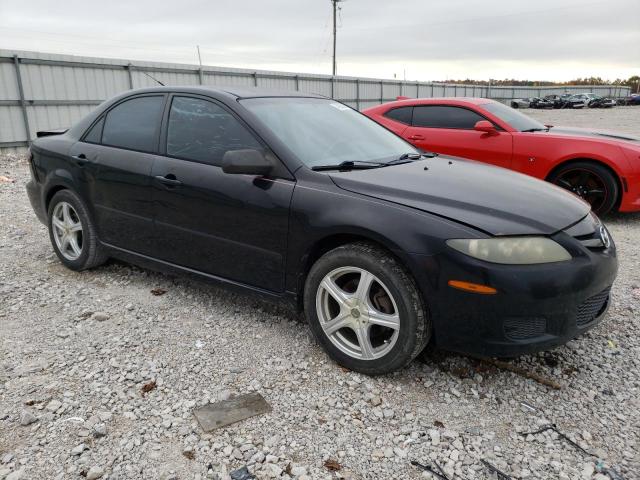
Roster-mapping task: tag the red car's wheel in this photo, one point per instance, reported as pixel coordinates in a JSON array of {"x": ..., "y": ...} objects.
[{"x": 590, "y": 181}]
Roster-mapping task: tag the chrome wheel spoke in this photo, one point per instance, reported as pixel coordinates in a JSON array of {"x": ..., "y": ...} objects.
[
  {"x": 384, "y": 319},
  {"x": 66, "y": 213},
  {"x": 59, "y": 224},
  {"x": 75, "y": 227},
  {"x": 64, "y": 243},
  {"x": 67, "y": 230},
  {"x": 364, "y": 342},
  {"x": 75, "y": 247},
  {"x": 364, "y": 285},
  {"x": 335, "y": 291},
  {"x": 335, "y": 324}
]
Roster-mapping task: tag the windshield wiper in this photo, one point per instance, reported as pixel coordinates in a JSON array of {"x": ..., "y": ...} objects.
[
  {"x": 364, "y": 165},
  {"x": 545, "y": 129},
  {"x": 410, "y": 157},
  {"x": 348, "y": 165}
]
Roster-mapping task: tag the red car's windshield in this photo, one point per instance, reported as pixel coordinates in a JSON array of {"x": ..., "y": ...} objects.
[{"x": 513, "y": 118}]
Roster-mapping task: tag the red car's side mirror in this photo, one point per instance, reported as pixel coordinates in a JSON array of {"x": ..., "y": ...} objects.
[{"x": 485, "y": 126}]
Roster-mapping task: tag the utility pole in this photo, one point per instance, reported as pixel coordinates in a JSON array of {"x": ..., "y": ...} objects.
[
  {"x": 199, "y": 57},
  {"x": 335, "y": 12}
]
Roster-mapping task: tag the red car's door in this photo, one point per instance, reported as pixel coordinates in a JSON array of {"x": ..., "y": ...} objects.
[{"x": 450, "y": 130}]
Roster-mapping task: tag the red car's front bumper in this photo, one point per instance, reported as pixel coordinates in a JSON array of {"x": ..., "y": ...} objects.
[{"x": 630, "y": 201}]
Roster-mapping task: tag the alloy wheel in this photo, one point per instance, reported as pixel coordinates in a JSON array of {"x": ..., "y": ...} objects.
[
  {"x": 586, "y": 184},
  {"x": 67, "y": 230},
  {"x": 357, "y": 313}
]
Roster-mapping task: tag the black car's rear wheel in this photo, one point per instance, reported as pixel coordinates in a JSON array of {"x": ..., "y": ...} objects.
[
  {"x": 365, "y": 309},
  {"x": 590, "y": 181},
  {"x": 72, "y": 232}
]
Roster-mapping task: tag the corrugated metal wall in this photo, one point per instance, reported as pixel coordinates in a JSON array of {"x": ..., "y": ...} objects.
[{"x": 57, "y": 90}]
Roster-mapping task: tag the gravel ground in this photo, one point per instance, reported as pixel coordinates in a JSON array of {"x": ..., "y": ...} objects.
[{"x": 77, "y": 348}]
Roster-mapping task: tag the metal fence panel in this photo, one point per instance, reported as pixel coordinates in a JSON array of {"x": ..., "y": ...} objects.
[
  {"x": 59, "y": 116},
  {"x": 287, "y": 83},
  {"x": 8, "y": 83},
  {"x": 345, "y": 90},
  {"x": 319, "y": 86},
  {"x": 140, "y": 80},
  {"x": 11, "y": 125},
  {"x": 390, "y": 90},
  {"x": 60, "y": 89},
  {"x": 214, "y": 80},
  {"x": 369, "y": 90}
]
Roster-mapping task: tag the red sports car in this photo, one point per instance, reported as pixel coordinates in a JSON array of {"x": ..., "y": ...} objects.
[{"x": 601, "y": 167}]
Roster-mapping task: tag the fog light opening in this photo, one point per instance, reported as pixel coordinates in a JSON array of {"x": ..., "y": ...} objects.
[{"x": 472, "y": 287}]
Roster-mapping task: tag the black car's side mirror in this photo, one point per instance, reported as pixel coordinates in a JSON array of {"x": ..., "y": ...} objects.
[{"x": 246, "y": 162}]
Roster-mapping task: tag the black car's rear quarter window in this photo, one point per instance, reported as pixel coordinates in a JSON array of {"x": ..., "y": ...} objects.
[
  {"x": 95, "y": 134},
  {"x": 133, "y": 124},
  {"x": 400, "y": 114},
  {"x": 202, "y": 131},
  {"x": 441, "y": 116}
]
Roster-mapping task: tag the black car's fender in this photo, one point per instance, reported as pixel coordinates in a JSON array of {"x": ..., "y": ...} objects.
[{"x": 320, "y": 222}]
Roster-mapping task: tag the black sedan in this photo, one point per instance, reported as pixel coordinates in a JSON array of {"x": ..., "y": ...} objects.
[
  {"x": 539, "y": 103},
  {"x": 302, "y": 198},
  {"x": 566, "y": 100}
]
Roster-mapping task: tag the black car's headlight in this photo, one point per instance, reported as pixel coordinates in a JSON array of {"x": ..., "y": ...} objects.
[{"x": 512, "y": 250}]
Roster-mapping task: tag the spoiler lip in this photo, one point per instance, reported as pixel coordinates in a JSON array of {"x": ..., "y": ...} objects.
[{"x": 51, "y": 132}]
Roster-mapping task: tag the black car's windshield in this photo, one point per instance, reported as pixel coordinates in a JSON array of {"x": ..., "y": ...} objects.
[
  {"x": 322, "y": 132},
  {"x": 514, "y": 118}
]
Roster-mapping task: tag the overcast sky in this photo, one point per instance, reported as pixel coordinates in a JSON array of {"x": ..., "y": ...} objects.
[{"x": 541, "y": 40}]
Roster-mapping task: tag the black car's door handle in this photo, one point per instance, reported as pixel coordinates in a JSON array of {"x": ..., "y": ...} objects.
[
  {"x": 80, "y": 159},
  {"x": 169, "y": 180}
]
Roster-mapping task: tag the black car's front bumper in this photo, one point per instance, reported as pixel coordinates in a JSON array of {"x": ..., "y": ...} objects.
[{"x": 536, "y": 307}]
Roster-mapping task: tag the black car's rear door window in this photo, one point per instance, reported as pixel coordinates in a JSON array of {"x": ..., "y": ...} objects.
[
  {"x": 203, "y": 131},
  {"x": 441, "y": 116},
  {"x": 134, "y": 124}
]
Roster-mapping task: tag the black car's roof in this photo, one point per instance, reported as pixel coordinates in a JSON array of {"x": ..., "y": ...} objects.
[{"x": 238, "y": 92}]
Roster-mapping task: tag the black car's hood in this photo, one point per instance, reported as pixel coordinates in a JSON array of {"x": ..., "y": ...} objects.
[{"x": 492, "y": 199}]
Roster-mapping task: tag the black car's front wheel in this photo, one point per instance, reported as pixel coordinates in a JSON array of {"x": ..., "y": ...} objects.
[
  {"x": 592, "y": 182},
  {"x": 72, "y": 232},
  {"x": 365, "y": 309}
]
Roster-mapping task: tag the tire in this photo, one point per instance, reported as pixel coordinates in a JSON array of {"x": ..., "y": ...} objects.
[
  {"x": 514, "y": 105},
  {"x": 390, "y": 287},
  {"x": 73, "y": 237},
  {"x": 600, "y": 177}
]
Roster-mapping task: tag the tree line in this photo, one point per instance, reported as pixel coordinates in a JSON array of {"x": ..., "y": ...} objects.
[{"x": 632, "y": 82}]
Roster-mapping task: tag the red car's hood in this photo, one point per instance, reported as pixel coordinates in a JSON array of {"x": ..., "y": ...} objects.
[{"x": 593, "y": 134}]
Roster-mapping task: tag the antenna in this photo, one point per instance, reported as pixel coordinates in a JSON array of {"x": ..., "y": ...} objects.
[
  {"x": 335, "y": 9},
  {"x": 152, "y": 77},
  {"x": 199, "y": 57}
]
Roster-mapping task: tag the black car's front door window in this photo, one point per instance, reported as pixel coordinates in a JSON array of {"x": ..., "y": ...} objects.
[{"x": 202, "y": 131}]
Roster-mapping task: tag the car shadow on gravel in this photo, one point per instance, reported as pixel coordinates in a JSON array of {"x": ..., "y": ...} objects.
[
  {"x": 240, "y": 299},
  {"x": 552, "y": 367}
]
